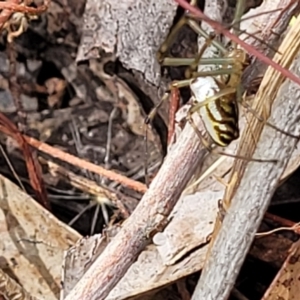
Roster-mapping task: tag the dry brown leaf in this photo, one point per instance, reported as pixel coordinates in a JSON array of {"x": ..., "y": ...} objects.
[
  {"x": 188, "y": 230},
  {"x": 286, "y": 284},
  {"x": 78, "y": 259},
  {"x": 32, "y": 242}
]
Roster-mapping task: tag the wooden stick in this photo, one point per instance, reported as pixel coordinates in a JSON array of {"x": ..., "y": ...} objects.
[{"x": 149, "y": 217}]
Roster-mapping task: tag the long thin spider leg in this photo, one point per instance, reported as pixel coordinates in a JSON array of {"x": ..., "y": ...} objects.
[
  {"x": 163, "y": 50},
  {"x": 148, "y": 120},
  {"x": 261, "y": 119},
  {"x": 174, "y": 105},
  {"x": 194, "y": 66}
]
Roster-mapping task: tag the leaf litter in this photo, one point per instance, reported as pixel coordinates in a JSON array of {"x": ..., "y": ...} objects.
[{"x": 70, "y": 106}]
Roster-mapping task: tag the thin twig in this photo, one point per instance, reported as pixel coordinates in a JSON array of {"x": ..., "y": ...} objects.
[
  {"x": 14, "y": 7},
  {"x": 6, "y": 13},
  {"x": 73, "y": 160},
  {"x": 109, "y": 135},
  {"x": 33, "y": 167},
  {"x": 11, "y": 167}
]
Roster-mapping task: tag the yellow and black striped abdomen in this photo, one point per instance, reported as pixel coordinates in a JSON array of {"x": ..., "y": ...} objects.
[{"x": 220, "y": 118}]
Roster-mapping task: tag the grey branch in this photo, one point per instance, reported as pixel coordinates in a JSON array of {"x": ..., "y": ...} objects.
[{"x": 256, "y": 182}]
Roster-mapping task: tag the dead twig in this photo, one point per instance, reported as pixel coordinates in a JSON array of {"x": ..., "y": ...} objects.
[
  {"x": 17, "y": 14},
  {"x": 279, "y": 220},
  {"x": 6, "y": 13},
  {"x": 149, "y": 217},
  {"x": 33, "y": 167},
  {"x": 15, "y": 7},
  {"x": 80, "y": 163}
]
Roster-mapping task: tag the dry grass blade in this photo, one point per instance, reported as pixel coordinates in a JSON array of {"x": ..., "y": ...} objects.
[{"x": 255, "y": 184}]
